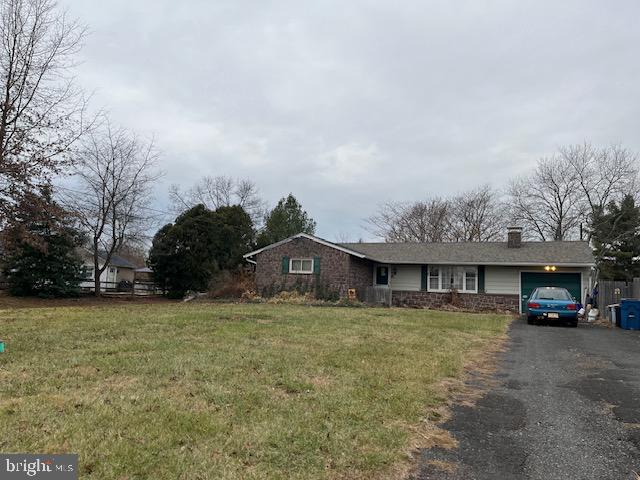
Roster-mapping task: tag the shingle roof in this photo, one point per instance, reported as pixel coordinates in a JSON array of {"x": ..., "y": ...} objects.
[
  {"x": 120, "y": 262},
  {"x": 567, "y": 253},
  {"x": 116, "y": 260}
]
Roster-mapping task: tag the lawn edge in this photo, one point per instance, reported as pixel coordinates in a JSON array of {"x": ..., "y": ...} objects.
[{"x": 481, "y": 367}]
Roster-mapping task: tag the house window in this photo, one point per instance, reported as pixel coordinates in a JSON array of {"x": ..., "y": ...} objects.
[
  {"x": 90, "y": 272},
  {"x": 470, "y": 279},
  {"x": 434, "y": 278},
  {"x": 301, "y": 265},
  {"x": 443, "y": 278}
]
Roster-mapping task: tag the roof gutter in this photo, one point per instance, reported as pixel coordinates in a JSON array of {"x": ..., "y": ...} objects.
[{"x": 491, "y": 264}]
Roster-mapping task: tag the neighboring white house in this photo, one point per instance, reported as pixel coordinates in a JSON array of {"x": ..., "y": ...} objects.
[{"x": 119, "y": 269}]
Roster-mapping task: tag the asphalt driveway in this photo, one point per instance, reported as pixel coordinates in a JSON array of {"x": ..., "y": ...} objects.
[{"x": 567, "y": 407}]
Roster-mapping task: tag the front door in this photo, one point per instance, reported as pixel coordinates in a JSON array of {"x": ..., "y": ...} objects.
[{"x": 382, "y": 275}]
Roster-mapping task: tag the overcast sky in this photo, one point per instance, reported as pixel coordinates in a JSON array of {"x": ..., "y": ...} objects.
[{"x": 347, "y": 104}]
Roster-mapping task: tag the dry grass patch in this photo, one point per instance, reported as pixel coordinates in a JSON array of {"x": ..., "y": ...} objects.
[
  {"x": 234, "y": 391},
  {"x": 465, "y": 389}
]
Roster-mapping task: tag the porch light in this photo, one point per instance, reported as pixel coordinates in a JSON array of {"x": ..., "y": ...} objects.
[{"x": 550, "y": 268}]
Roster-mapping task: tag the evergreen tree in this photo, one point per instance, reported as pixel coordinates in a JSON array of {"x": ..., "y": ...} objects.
[
  {"x": 616, "y": 238},
  {"x": 286, "y": 219},
  {"x": 185, "y": 255},
  {"x": 41, "y": 256},
  {"x": 234, "y": 236}
]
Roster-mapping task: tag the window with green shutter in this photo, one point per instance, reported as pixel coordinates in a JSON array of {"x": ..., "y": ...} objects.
[
  {"x": 316, "y": 265},
  {"x": 423, "y": 277},
  {"x": 480, "y": 278},
  {"x": 301, "y": 266},
  {"x": 285, "y": 264}
]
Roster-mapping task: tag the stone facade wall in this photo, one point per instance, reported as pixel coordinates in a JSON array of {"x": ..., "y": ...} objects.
[
  {"x": 360, "y": 275},
  {"x": 338, "y": 270},
  {"x": 476, "y": 302}
]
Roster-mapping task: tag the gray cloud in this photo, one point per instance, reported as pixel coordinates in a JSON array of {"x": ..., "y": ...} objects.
[{"x": 348, "y": 104}]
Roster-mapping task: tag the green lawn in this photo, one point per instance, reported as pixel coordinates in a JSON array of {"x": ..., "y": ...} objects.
[{"x": 199, "y": 391}]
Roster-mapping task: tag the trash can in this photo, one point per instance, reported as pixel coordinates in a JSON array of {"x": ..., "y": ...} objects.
[
  {"x": 630, "y": 314},
  {"x": 614, "y": 314}
]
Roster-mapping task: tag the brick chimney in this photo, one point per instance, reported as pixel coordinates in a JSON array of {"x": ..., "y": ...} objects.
[{"x": 514, "y": 237}]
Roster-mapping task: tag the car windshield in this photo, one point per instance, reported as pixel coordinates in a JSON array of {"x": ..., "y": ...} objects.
[{"x": 551, "y": 293}]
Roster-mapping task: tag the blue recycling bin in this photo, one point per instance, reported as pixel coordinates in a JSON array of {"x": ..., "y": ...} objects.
[{"x": 630, "y": 314}]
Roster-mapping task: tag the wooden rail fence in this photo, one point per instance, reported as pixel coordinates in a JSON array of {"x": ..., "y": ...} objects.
[{"x": 137, "y": 288}]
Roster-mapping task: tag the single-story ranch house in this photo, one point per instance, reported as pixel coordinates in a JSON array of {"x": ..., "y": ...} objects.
[
  {"x": 485, "y": 275},
  {"x": 119, "y": 269}
]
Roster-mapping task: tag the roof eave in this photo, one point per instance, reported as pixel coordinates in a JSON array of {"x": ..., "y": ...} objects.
[{"x": 308, "y": 237}]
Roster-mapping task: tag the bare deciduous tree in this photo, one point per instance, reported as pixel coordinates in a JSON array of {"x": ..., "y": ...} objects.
[
  {"x": 220, "y": 191},
  {"x": 477, "y": 216},
  {"x": 602, "y": 175},
  {"x": 41, "y": 110},
  {"x": 425, "y": 221},
  {"x": 547, "y": 202},
  {"x": 116, "y": 172},
  {"x": 343, "y": 237},
  {"x": 473, "y": 216},
  {"x": 570, "y": 188}
]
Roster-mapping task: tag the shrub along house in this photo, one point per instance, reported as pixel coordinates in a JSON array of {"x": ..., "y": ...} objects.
[{"x": 482, "y": 275}]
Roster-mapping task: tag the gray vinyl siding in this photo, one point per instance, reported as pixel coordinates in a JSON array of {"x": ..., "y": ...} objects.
[
  {"x": 586, "y": 283},
  {"x": 502, "y": 280},
  {"x": 407, "y": 277},
  {"x": 506, "y": 280}
]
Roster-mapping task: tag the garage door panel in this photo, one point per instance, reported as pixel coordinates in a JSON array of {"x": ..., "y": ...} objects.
[{"x": 529, "y": 281}]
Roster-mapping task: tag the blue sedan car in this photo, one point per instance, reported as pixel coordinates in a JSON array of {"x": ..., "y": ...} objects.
[{"x": 552, "y": 303}]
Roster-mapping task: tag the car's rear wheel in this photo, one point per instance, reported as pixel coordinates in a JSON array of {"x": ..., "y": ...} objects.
[
  {"x": 573, "y": 323},
  {"x": 531, "y": 320}
]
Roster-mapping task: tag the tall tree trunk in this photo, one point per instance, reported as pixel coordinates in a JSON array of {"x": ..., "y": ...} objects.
[{"x": 96, "y": 271}]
